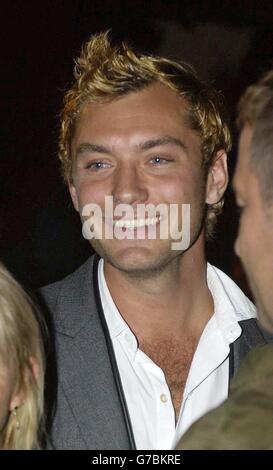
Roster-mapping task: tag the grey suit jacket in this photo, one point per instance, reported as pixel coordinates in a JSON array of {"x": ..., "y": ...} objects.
[{"x": 89, "y": 410}]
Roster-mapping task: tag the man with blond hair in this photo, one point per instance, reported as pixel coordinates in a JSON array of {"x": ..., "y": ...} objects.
[
  {"x": 245, "y": 420},
  {"x": 148, "y": 333}
]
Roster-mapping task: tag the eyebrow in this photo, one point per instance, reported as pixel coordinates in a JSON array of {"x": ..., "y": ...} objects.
[
  {"x": 87, "y": 147},
  {"x": 165, "y": 140}
]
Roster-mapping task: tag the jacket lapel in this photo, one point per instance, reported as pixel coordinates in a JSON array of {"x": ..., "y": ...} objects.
[{"x": 84, "y": 368}]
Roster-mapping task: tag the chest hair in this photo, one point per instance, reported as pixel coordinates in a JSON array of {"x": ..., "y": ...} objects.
[{"x": 174, "y": 357}]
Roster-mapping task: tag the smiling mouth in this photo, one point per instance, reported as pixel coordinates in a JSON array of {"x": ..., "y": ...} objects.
[{"x": 136, "y": 223}]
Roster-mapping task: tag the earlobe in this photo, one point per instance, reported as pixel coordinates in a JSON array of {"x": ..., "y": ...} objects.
[
  {"x": 17, "y": 400},
  {"x": 217, "y": 180},
  {"x": 74, "y": 197},
  {"x": 19, "y": 395}
]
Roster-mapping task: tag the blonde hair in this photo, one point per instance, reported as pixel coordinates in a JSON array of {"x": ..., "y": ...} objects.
[
  {"x": 20, "y": 340},
  {"x": 103, "y": 72},
  {"x": 255, "y": 108}
]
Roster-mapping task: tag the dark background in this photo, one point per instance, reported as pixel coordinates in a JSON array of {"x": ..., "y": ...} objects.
[{"x": 229, "y": 43}]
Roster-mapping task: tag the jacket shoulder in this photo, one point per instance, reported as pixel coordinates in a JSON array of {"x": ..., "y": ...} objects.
[
  {"x": 69, "y": 290},
  {"x": 253, "y": 334}
]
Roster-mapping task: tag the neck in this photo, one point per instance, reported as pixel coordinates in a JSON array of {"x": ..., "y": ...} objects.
[{"x": 175, "y": 301}]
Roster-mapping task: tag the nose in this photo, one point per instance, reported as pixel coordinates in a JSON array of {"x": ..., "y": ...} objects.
[{"x": 128, "y": 186}]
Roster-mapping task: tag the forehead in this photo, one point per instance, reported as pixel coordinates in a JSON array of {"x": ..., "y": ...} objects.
[{"x": 154, "y": 109}]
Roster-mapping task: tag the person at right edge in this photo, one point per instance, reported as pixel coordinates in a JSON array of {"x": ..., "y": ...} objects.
[{"x": 245, "y": 420}]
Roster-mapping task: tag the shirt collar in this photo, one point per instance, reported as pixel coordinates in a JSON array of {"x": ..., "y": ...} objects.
[
  {"x": 230, "y": 306},
  {"x": 117, "y": 326},
  {"x": 230, "y": 303}
]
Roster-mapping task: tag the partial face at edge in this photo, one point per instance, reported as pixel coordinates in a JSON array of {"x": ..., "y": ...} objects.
[{"x": 254, "y": 244}]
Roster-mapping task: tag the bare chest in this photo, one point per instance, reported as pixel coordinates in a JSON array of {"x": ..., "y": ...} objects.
[{"x": 174, "y": 358}]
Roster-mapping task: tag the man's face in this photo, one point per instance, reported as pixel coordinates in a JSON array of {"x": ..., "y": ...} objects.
[
  {"x": 254, "y": 244},
  {"x": 139, "y": 150}
]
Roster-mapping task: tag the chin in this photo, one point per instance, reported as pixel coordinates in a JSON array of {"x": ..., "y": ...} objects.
[
  {"x": 133, "y": 260},
  {"x": 136, "y": 261}
]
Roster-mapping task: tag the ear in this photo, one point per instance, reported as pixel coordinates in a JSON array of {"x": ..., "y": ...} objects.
[
  {"x": 19, "y": 395},
  {"x": 74, "y": 196},
  {"x": 17, "y": 399},
  {"x": 217, "y": 180}
]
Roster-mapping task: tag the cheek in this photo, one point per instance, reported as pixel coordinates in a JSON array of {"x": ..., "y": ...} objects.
[
  {"x": 185, "y": 187},
  {"x": 91, "y": 193},
  {"x": 245, "y": 242},
  {"x": 173, "y": 192}
]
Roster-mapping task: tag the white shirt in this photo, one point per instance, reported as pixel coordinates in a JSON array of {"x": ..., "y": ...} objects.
[{"x": 146, "y": 391}]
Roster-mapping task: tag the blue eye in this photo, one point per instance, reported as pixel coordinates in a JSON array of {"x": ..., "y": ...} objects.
[
  {"x": 159, "y": 160},
  {"x": 97, "y": 166}
]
